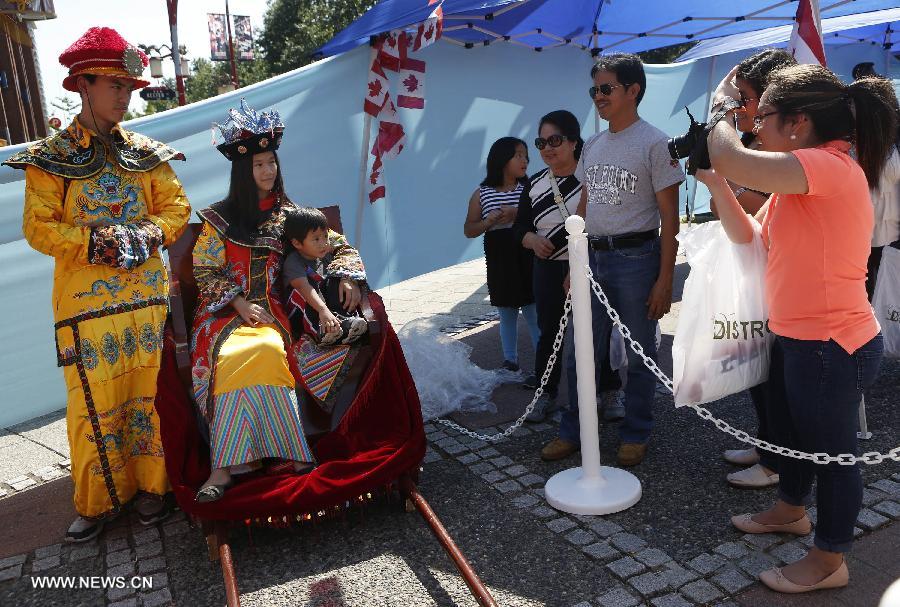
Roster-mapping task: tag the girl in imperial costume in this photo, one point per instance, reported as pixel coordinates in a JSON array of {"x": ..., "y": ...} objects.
[
  {"x": 101, "y": 201},
  {"x": 244, "y": 369}
]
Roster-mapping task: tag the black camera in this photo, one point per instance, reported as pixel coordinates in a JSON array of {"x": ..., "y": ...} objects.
[{"x": 692, "y": 145}]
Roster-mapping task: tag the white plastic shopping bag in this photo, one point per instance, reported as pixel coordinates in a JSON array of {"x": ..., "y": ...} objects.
[
  {"x": 886, "y": 300},
  {"x": 722, "y": 342}
]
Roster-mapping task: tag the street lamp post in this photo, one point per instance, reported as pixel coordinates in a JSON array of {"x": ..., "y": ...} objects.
[
  {"x": 172, "y": 6},
  {"x": 177, "y": 55}
]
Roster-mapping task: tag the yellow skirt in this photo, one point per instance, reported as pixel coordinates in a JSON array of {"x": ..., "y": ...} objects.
[{"x": 252, "y": 356}]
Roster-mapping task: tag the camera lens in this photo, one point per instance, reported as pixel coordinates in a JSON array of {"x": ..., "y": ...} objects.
[{"x": 681, "y": 146}]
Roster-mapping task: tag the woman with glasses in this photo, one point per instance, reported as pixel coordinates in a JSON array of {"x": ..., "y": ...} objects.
[
  {"x": 492, "y": 210},
  {"x": 751, "y": 77},
  {"x": 817, "y": 226},
  {"x": 549, "y": 197}
]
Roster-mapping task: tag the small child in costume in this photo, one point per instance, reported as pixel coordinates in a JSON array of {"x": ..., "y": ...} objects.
[{"x": 311, "y": 296}]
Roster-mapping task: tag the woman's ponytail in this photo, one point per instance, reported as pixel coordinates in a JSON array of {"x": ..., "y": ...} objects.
[{"x": 873, "y": 105}]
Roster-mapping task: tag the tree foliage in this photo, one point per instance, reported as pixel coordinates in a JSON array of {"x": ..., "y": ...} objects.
[
  {"x": 294, "y": 29},
  {"x": 666, "y": 54}
]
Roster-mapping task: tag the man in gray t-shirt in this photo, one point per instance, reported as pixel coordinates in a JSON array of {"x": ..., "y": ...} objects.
[
  {"x": 622, "y": 173},
  {"x": 629, "y": 200}
]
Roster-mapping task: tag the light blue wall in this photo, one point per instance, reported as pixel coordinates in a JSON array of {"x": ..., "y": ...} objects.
[{"x": 473, "y": 97}]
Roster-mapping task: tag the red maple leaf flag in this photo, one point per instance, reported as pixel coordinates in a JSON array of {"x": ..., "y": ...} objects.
[
  {"x": 412, "y": 84},
  {"x": 391, "y": 138},
  {"x": 391, "y": 50},
  {"x": 806, "y": 38},
  {"x": 376, "y": 90},
  {"x": 376, "y": 180},
  {"x": 429, "y": 30}
]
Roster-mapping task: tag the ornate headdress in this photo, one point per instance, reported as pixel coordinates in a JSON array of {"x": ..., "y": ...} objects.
[
  {"x": 103, "y": 52},
  {"x": 248, "y": 132}
]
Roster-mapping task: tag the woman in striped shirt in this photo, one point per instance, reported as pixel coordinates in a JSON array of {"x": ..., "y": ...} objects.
[
  {"x": 540, "y": 227},
  {"x": 492, "y": 209}
]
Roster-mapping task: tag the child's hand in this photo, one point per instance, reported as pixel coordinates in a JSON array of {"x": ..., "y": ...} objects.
[{"x": 329, "y": 322}]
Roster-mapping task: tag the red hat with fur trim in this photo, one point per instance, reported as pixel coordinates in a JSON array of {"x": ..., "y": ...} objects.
[{"x": 103, "y": 52}]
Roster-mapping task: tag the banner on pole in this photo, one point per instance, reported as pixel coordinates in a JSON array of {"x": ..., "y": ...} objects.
[
  {"x": 243, "y": 38},
  {"x": 218, "y": 37}
]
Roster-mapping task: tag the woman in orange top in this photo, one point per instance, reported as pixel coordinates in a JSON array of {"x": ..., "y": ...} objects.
[{"x": 817, "y": 226}]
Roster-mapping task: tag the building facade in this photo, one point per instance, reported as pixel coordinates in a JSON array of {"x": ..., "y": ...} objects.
[{"x": 23, "y": 110}]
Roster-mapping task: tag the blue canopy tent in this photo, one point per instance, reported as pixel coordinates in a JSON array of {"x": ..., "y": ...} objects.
[
  {"x": 604, "y": 25},
  {"x": 875, "y": 28}
]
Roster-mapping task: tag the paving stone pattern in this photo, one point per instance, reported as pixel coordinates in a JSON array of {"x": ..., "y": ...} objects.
[
  {"x": 649, "y": 575},
  {"x": 638, "y": 569}
]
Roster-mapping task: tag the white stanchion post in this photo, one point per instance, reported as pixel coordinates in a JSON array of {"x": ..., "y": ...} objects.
[
  {"x": 590, "y": 488},
  {"x": 863, "y": 433}
]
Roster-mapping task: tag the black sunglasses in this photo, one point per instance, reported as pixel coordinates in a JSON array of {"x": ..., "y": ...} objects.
[
  {"x": 604, "y": 89},
  {"x": 553, "y": 140}
]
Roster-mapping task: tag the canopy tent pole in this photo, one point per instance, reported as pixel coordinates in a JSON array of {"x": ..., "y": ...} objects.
[
  {"x": 364, "y": 161},
  {"x": 691, "y": 204}
]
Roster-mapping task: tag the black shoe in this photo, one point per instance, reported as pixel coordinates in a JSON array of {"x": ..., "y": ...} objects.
[
  {"x": 83, "y": 530},
  {"x": 509, "y": 365},
  {"x": 211, "y": 493},
  {"x": 151, "y": 518},
  {"x": 530, "y": 382}
]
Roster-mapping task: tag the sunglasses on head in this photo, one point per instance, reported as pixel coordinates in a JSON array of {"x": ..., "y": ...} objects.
[
  {"x": 554, "y": 141},
  {"x": 604, "y": 89}
]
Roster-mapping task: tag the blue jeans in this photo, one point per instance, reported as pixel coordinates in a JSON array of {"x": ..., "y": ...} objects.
[
  {"x": 815, "y": 389},
  {"x": 509, "y": 330},
  {"x": 627, "y": 276}
]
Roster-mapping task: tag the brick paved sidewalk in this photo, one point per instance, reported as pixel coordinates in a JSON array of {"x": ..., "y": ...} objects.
[{"x": 673, "y": 548}]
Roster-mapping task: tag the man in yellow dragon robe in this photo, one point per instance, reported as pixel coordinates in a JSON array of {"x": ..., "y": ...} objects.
[{"x": 102, "y": 201}]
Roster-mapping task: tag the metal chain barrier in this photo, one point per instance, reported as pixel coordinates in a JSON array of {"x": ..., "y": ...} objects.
[
  {"x": 845, "y": 459},
  {"x": 557, "y": 347}
]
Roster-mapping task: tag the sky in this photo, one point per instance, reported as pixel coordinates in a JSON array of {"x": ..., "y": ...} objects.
[{"x": 144, "y": 22}]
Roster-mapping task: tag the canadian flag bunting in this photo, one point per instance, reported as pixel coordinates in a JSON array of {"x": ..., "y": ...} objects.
[
  {"x": 806, "y": 38},
  {"x": 392, "y": 54},
  {"x": 388, "y": 144}
]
